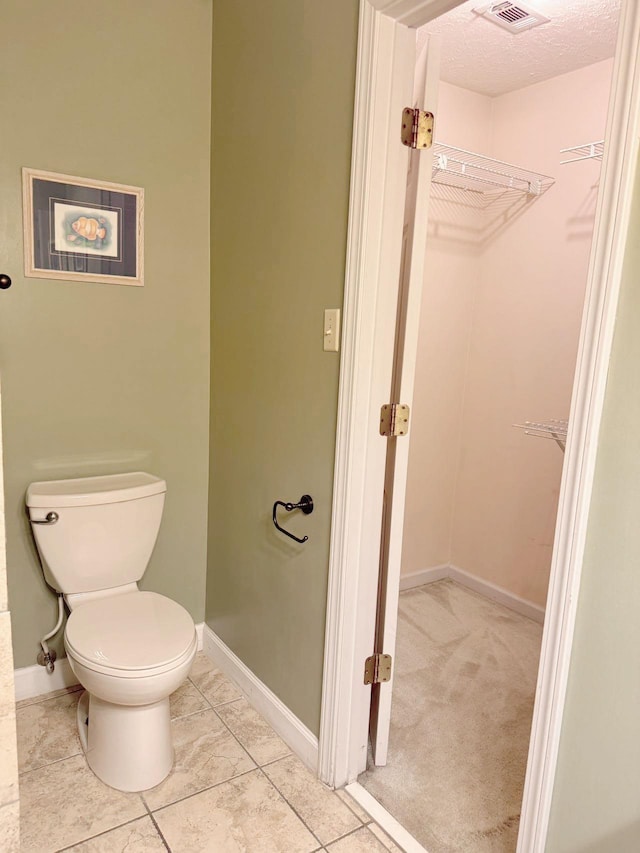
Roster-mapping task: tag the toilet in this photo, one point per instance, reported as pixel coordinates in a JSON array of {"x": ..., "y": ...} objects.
[{"x": 130, "y": 649}]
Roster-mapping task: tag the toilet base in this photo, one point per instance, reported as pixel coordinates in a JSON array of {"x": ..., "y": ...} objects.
[{"x": 127, "y": 747}]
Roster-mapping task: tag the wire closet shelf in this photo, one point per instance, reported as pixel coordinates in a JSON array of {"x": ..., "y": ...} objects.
[
  {"x": 554, "y": 429},
  {"x": 456, "y": 167},
  {"x": 588, "y": 151}
]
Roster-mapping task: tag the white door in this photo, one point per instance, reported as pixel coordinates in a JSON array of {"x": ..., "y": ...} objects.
[{"x": 408, "y": 316}]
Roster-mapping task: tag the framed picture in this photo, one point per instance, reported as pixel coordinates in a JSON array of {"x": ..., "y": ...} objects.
[{"x": 82, "y": 230}]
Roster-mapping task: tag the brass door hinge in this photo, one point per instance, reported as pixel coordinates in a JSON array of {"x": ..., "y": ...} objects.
[
  {"x": 377, "y": 669},
  {"x": 417, "y": 128},
  {"x": 394, "y": 419}
]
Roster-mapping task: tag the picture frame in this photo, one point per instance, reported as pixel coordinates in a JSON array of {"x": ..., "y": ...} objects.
[{"x": 78, "y": 229}]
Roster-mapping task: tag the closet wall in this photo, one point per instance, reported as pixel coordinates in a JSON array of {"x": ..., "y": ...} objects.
[
  {"x": 450, "y": 285},
  {"x": 499, "y": 330}
]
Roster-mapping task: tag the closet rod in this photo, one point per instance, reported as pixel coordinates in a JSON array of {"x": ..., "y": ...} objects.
[
  {"x": 555, "y": 429},
  {"x": 463, "y": 169},
  {"x": 442, "y": 167},
  {"x": 588, "y": 151}
]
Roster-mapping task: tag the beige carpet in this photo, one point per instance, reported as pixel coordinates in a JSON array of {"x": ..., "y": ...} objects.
[{"x": 464, "y": 685}]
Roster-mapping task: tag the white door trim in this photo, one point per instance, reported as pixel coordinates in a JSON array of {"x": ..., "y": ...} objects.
[
  {"x": 386, "y": 59},
  {"x": 598, "y": 322},
  {"x": 356, "y": 519}
]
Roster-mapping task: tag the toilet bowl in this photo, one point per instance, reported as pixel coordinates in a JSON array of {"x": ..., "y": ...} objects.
[
  {"x": 130, "y": 649},
  {"x": 128, "y": 674}
]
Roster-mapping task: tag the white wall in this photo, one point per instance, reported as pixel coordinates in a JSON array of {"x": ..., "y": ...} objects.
[
  {"x": 450, "y": 285},
  {"x": 525, "y": 286}
]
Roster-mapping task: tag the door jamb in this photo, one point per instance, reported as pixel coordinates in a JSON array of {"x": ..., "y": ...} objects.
[{"x": 356, "y": 516}]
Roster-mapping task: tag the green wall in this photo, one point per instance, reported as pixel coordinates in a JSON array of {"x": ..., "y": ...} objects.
[
  {"x": 283, "y": 85},
  {"x": 101, "y": 378},
  {"x": 596, "y": 798}
]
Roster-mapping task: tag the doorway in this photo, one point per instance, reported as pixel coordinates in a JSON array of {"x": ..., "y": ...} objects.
[
  {"x": 575, "y": 494},
  {"x": 506, "y": 267}
]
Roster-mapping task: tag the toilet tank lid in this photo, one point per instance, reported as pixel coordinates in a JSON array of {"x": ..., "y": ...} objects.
[{"x": 92, "y": 491}]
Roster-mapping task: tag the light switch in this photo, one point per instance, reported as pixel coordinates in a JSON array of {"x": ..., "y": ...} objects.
[{"x": 332, "y": 329}]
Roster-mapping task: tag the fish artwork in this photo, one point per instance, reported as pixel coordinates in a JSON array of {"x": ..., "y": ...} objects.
[{"x": 88, "y": 231}]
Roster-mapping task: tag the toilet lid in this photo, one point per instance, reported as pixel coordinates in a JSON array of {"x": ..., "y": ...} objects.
[{"x": 137, "y": 630}]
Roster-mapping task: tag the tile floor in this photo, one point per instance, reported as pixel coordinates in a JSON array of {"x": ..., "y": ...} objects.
[{"x": 235, "y": 785}]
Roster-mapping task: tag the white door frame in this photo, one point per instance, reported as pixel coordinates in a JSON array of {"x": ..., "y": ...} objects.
[{"x": 373, "y": 252}]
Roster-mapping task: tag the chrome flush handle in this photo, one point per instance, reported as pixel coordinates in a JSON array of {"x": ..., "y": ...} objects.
[{"x": 50, "y": 518}]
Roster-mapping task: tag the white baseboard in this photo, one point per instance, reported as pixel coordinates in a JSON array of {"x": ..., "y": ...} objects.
[
  {"x": 293, "y": 732},
  {"x": 413, "y": 579},
  {"x": 498, "y": 594},
  {"x": 385, "y": 819},
  {"x": 33, "y": 681},
  {"x": 479, "y": 585}
]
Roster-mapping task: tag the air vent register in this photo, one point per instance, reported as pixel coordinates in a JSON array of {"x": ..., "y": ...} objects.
[{"x": 515, "y": 17}]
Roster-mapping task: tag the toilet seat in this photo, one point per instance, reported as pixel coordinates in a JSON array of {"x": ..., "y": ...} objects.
[{"x": 130, "y": 635}]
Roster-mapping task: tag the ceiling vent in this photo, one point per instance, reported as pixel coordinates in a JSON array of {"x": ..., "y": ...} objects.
[{"x": 515, "y": 17}]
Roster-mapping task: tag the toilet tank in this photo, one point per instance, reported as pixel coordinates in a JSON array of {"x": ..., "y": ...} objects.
[{"x": 105, "y": 532}]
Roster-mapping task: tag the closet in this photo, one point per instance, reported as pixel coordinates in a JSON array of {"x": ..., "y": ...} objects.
[
  {"x": 516, "y": 164},
  {"x": 507, "y": 258}
]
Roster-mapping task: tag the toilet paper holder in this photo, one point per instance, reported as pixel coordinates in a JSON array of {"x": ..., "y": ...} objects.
[{"x": 305, "y": 504}]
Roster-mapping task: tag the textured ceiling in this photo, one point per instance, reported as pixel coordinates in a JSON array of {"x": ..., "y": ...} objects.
[{"x": 479, "y": 55}]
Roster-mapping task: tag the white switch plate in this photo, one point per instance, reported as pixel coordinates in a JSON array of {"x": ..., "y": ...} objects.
[{"x": 331, "y": 329}]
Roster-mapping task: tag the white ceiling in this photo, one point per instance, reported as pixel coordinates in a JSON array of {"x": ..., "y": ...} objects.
[{"x": 479, "y": 55}]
